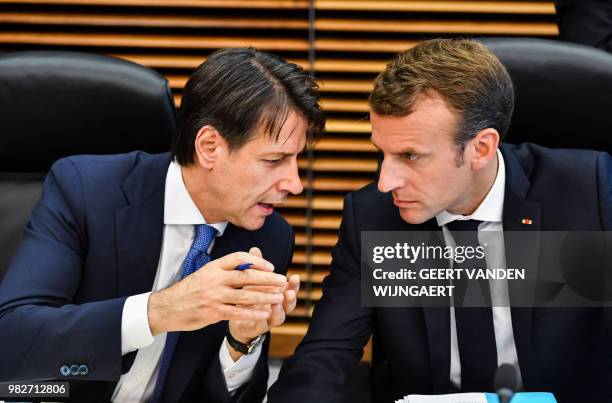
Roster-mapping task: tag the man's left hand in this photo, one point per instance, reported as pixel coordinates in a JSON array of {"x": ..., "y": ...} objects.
[{"x": 246, "y": 330}]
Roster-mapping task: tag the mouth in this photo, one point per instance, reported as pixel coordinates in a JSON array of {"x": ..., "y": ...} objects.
[
  {"x": 404, "y": 203},
  {"x": 267, "y": 208}
]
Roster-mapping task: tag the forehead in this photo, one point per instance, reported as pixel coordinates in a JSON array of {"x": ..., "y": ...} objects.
[
  {"x": 291, "y": 137},
  {"x": 430, "y": 122}
]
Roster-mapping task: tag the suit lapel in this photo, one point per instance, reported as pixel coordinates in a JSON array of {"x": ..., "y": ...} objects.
[
  {"x": 192, "y": 349},
  {"x": 234, "y": 239},
  {"x": 523, "y": 252},
  {"x": 139, "y": 226}
]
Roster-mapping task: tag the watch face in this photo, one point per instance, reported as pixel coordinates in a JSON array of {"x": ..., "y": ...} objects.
[{"x": 256, "y": 342}]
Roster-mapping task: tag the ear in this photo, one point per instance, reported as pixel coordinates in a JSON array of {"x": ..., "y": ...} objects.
[
  {"x": 207, "y": 142},
  {"x": 484, "y": 146}
]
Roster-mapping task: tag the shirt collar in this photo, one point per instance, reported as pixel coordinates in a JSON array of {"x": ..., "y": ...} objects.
[
  {"x": 492, "y": 207},
  {"x": 179, "y": 209}
]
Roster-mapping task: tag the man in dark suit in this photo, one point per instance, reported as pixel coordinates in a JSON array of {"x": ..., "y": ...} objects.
[
  {"x": 437, "y": 113},
  {"x": 126, "y": 283}
]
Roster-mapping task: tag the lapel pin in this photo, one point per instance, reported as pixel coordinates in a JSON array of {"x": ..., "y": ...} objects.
[{"x": 526, "y": 221}]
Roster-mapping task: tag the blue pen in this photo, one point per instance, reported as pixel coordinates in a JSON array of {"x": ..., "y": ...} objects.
[{"x": 244, "y": 266}]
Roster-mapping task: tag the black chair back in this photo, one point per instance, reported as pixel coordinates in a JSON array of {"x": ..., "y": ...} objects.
[
  {"x": 56, "y": 104},
  {"x": 563, "y": 92}
]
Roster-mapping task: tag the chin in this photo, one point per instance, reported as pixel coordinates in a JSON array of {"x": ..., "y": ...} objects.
[
  {"x": 412, "y": 216},
  {"x": 252, "y": 224}
]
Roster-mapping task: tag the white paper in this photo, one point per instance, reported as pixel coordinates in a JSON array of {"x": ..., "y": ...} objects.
[{"x": 452, "y": 398}]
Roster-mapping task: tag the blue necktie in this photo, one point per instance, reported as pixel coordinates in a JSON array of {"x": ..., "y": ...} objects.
[{"x": 196, "y": 257}]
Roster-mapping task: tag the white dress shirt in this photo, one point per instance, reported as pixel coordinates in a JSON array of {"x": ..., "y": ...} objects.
[
  {"x": 490, "y": 233},
  {"x": 180, "y": 217}
]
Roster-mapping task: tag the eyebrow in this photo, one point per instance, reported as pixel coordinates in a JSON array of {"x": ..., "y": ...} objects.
[
  {"x": 278, "y": 154},
  {"x": 284, "y": 154},
  {"x": 404, "y": 151}
]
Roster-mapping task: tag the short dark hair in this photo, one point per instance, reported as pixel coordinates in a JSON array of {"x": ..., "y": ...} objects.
[
  {"x": 238, "y": 90},
  {"x": 469, "y": 77}
]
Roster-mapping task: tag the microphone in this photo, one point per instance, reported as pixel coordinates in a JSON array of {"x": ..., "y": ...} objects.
[{"x": 506, "y": 382}]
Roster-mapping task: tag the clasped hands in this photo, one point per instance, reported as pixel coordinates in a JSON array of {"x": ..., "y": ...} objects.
[{"x": 253, "y": 300}]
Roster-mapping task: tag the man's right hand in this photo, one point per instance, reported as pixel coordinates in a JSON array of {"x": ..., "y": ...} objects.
[{"x": 214, "y": 293}]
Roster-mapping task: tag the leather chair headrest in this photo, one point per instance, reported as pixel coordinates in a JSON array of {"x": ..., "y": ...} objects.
[
  {"x": 563, "y": 92},
  {"x": 56, "y": 104}
]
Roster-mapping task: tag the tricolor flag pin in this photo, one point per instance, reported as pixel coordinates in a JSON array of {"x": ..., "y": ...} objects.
[{"x": 526, "y": 221}]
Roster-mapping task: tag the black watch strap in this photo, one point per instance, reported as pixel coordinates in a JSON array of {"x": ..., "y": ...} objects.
[{"x": 241, "y": 347}]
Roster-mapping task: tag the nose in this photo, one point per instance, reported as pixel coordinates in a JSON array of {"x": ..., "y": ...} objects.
[
  {"x": 390, "y": 176},
  {"x": 291, "y": 181}
]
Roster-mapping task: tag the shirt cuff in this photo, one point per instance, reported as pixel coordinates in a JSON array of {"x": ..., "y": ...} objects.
[
  {"x": 237, "y": 373},
  {"x": 135, "y": 330}
]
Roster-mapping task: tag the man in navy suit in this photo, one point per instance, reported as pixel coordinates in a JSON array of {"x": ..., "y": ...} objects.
[
  {"x": 126, "y": 282},
  {"x": 437, "y": 113}
]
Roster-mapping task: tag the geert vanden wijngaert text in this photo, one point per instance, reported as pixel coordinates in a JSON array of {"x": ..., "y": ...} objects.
[{"x": 470, "y": 265}]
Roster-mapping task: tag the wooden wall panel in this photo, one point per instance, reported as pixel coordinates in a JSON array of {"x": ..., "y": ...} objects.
[{"x": 354, "y": 39}]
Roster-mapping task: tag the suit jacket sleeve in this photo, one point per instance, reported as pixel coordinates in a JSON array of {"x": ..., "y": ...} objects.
[
  {"x": 339, "y": 329},
  {"x": 41, "y": 329}
]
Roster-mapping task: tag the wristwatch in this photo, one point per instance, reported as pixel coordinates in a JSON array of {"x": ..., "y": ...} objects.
[{"x": 241, "y": 347}]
